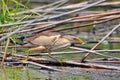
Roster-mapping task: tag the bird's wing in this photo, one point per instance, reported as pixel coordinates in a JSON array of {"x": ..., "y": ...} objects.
[
  {"x": 62, "y": 41},
  {"x": 45, "y": 40}
]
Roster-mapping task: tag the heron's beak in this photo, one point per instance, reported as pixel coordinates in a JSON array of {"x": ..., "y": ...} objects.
[{"x": 79, "y": 41}]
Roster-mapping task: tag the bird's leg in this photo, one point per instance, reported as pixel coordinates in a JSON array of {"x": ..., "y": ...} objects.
[
  {"x": 33, "y": 49},
  {"x": 28, "y": 55},
  {"x": 50, "y": 47},
  {"x": 49, "y": 54}
]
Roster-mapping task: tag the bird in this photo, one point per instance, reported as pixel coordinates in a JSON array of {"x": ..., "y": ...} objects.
[{"x": 51, "y": 41}]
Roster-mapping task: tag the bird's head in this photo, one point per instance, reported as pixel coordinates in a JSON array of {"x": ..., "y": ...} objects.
[
  {"x": 74, "y": 39},
  {"x": 78, "y": 40}
]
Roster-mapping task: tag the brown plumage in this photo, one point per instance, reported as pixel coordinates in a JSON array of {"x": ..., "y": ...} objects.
[{"x": 51, "y": 40}]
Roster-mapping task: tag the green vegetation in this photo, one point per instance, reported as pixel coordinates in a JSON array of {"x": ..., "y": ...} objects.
[
  {"x": 9, "y": 14},
  {"x": 18, "y": 74},
  {"x": 28, "y": 74}
]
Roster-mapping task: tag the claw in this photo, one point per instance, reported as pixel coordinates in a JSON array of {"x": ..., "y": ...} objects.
[{"x": 23, "y": 61}]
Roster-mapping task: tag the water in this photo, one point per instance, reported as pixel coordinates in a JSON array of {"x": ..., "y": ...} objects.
[{"x": 36, "y": 73}]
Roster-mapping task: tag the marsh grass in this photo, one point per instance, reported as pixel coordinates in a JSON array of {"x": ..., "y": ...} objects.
[
  {"x": 8, "y": 10},
  {"x": 8, "y": 14},
  {"x": 28, "y": 74},
  {"x": 12, "y": 73}
]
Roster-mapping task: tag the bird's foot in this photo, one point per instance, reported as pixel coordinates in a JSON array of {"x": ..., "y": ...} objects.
[
  {"x": 27, "y": 57},
  {"x": 60, "y": 62},
  {"x": 23, "y": 61}
]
